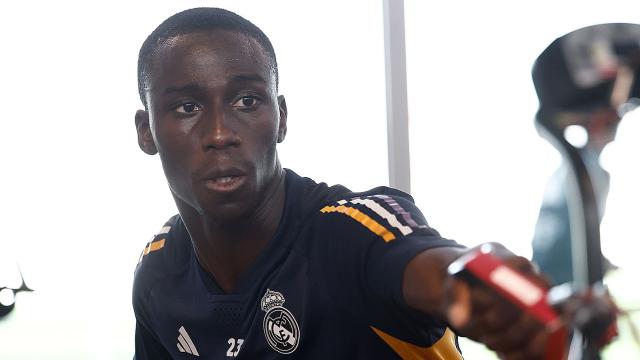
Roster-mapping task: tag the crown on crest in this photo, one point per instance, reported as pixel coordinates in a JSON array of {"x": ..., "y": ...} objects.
[{"x": 271, "y": 299}]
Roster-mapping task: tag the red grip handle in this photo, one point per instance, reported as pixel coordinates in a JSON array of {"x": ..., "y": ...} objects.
[{"x": 519, "y": 290}]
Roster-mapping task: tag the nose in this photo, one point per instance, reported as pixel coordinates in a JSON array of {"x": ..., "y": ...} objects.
[{"x": 218, "y": 132}]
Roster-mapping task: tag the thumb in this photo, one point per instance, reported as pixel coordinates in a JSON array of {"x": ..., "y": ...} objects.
[{"x": 459, "y": 304}]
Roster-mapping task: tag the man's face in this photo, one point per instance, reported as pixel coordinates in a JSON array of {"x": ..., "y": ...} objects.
[{"x": 214, "y": 117}]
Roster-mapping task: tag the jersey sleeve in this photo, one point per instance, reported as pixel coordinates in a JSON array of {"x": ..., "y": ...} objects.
[
  {"x": 147, "y": 344},
  {"x": 147, "y": 347},
  {"x": 150, "y": 270},
  {"x": 369, "y": 240}
]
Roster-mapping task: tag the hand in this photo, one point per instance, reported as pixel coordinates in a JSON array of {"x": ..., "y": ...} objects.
[
  {"x": 592, "y": 311},
  {"x": 480, "y": 313}
]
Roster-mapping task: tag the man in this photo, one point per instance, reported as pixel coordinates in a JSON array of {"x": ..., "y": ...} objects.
[{"x": 261, "y": 263}]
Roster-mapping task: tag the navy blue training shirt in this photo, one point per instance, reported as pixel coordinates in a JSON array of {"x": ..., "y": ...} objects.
[{"x": 328, "y": 285}]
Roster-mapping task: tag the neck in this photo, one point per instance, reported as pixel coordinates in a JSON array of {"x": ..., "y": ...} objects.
[{"x": 227, "y": 249}]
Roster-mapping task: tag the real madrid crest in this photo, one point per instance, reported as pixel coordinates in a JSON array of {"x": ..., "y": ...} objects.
[{"x": 280, "y": 327}]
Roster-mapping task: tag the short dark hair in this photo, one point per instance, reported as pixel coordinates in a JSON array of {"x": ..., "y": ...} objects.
[{"x": 195, "y": 20}]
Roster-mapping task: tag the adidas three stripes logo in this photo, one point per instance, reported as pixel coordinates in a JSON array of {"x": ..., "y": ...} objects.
[{"x": 185, "y": 344}]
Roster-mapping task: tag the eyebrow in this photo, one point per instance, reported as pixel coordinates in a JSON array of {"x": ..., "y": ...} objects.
[
  {"x": 179, "y": 89},
  {"x": 248, "y": 77},
  {"x": 193, "y": 87}
]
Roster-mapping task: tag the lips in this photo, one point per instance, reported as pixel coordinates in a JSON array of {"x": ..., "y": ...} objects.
[
  {"x": 224, "y": 180},
  {"x": 225, "y": 184}
]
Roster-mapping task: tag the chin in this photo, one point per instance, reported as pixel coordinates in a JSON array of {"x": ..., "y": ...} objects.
[
  {"x": 226, "y": 214},
  {"x": 231, "y": 212}
]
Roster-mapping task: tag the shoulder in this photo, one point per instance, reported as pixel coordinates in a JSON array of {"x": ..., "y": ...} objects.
[
  {"x": 335, "y": 212},
  {"x": 166, "y": 253},
  {"x": 309, "y": 193},
  {"x": 384, "y": 211},
  {"x": 313, "y": 196}
]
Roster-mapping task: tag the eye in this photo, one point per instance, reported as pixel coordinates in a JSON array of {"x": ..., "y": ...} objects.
[
  {"x": 246, "y": 102},
  {"x": 188, "y": 108}
]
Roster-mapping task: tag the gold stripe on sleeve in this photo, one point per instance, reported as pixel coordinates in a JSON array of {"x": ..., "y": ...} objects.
[
  {"x": 363, "y": 219},
  {"x": 443, "y": 349},
  {"x": 154, "y": 246}
]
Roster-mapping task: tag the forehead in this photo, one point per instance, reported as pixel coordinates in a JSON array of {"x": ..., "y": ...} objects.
[{"x": 208, "y": 56}]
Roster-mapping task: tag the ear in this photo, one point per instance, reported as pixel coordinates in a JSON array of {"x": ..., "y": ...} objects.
[
  {"x": 145, "y": 138},
  {"x": 282, "y": 124}
]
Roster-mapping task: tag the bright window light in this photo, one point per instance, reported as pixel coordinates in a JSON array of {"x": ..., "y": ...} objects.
[{"x": 576, "y": 135}]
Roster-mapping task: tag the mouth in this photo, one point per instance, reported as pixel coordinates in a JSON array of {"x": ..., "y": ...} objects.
[
  {"x": 225, "y": 184},
  {"x": 224, "y": 181}
]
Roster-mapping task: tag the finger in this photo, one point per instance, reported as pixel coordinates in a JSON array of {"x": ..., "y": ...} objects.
[
  {"x": 515, "y": 336},
  {"x": 483, "y": 297},
  {"x": 490, "y": 312},
  {"x": 459, "y": 309},
  {"x": 533, "y": 350},
  {"x": 497, "y": 318}
]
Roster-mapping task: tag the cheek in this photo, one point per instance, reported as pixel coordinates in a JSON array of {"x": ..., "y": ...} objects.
[
  {"x": 174, "y": 141},
  {"x": 266, "y": 138},
  {"x": 176, "y": 156},
  {"x": 174, "y": 169},
  {"x": 269, "y": 127},
  {"x": 263, "y": 140}
]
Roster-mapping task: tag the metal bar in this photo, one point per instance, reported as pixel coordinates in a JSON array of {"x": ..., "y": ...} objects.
[{"x": 396, "y": 88}]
